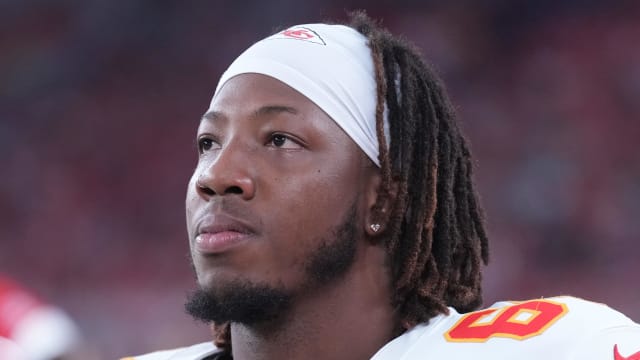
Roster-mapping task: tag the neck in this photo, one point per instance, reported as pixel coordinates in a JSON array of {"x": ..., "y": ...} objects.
[{"x": 351, "y": 318}]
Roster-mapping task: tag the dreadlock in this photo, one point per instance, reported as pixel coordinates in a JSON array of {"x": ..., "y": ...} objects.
[
  {"x": 435, "y": 235},
  {"x": 436, "y": 238}
]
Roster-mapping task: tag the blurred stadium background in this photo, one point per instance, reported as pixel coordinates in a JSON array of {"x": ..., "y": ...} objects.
[{"x": 99, "y": 103}]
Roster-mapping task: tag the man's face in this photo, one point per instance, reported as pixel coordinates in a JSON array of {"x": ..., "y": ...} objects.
[{"x": 276, "y": 185}]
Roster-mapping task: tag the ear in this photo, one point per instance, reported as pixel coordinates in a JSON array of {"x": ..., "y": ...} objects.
[{"x": 379, "y": 205}]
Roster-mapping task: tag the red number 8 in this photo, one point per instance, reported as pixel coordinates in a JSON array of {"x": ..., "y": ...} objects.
[{"x": 520, "y": 321}]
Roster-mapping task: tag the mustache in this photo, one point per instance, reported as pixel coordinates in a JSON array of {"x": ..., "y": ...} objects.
[{"x": 228, "y": 206}]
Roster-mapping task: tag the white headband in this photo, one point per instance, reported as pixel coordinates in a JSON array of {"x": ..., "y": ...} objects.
[{"x": 329, "y": 64}]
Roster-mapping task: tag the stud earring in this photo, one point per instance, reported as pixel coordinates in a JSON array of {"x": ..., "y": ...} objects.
[{"x": 375, "y": 227}]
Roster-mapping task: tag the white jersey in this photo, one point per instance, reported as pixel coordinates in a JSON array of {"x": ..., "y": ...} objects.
[{"x": 560, "y": 328}]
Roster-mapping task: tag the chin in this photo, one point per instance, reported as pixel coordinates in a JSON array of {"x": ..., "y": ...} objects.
[
  {"x": 213, "y": 280},
  {"x": 209, "y": 280},
  {"x": 239, "y": 301}
]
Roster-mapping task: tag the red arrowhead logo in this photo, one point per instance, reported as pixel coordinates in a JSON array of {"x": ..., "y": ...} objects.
[
  {"x": 617, "y": 356},
  {"x": 300, "y": 33}
]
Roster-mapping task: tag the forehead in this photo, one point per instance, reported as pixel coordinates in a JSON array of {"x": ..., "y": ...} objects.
[{"x": 256, "y": 90}]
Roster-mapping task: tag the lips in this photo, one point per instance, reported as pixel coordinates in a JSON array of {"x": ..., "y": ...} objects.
[{"x": 217, "y": 234}]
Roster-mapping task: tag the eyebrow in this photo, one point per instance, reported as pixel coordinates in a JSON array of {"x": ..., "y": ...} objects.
[{"x": 262, "y": 111}]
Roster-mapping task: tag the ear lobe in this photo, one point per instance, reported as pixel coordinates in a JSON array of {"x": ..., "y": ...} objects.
[{"x": 379, "y": 206}]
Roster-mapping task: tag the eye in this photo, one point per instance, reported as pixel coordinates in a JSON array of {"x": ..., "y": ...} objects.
[
  {"x": 206, "y": 144},
  {"x": 283, "y": 142}
]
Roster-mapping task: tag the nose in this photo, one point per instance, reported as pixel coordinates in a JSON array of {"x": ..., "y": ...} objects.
[{"x": 227, "y": 174}]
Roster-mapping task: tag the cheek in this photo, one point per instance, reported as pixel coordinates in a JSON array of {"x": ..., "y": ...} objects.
[
  {"x": 308, "y": 207},
  {"x": 305, "y": 195},
  {"x": 323, "y": 187},
  {"x": 191, "y": 200}
]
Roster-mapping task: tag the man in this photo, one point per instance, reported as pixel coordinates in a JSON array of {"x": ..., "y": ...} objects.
[{"x": 332, "y": 215}]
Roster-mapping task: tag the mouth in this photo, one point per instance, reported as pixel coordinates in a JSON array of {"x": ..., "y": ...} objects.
[{"x": 217, "y": 234}]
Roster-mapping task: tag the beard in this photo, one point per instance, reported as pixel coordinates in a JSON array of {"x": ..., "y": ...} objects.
[{"x": 252, "y": 303}]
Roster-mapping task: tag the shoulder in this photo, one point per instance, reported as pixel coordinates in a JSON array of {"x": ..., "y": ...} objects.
[
  {"x": 559, "y": 328},
  {"x": 194, "y": 352},
  {"x": 567, "y": 310},
  {"x": 605, "y": 333}
]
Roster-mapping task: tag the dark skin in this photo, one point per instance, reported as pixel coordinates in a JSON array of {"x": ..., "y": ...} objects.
[{"x": 279, "y": 174}]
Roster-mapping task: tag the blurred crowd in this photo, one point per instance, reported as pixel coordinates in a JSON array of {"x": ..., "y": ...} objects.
[{"x": 99, "y": 103}]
